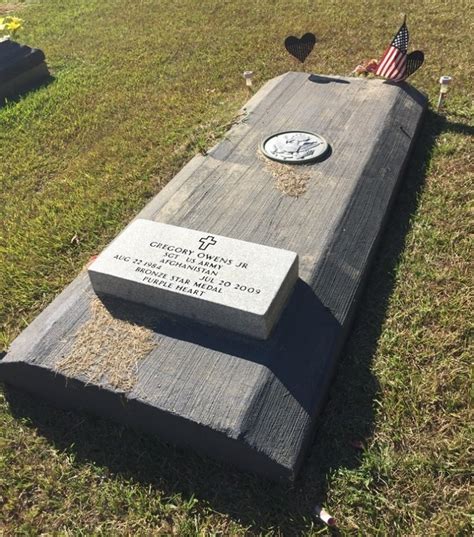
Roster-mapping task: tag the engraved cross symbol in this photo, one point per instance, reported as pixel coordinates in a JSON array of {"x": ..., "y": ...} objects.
[{"x": 207, "y": 241}]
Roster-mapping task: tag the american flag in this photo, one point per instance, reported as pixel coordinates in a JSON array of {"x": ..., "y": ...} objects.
[{"x": 393, "y": 64}]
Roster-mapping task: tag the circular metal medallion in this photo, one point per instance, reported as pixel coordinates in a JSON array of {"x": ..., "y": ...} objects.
[{"x": 294, "y": 147}]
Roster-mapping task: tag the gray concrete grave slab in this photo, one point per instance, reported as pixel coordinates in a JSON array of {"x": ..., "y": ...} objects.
[
  {"x": 249, "y": 402},
  {"x": 237, "y": 285}
]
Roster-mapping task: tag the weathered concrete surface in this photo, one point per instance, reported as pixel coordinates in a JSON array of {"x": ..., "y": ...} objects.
[{"x": 253, "y": 403}]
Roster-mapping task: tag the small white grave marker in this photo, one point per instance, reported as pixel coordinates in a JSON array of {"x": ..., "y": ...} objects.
[{"x": 216, "y": 280}]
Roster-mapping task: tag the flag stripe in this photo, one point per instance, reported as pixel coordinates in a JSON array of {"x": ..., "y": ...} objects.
[
  {"x": 385, "y": 58},
  {"x": 400, "y": 67},
  {"x": 388, "y": 61},
  {"x": 394, "y": 68},
  {"x": 402, "y": 72}
]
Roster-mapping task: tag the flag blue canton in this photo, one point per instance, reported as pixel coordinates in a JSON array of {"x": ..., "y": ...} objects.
[{"x": 401, "y": 39}]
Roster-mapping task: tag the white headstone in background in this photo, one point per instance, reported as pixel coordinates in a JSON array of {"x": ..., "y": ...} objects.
[{"x": 236, "y": 285}]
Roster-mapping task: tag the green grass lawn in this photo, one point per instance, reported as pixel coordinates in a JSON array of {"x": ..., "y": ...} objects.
[{"x": 139, "y": 88}]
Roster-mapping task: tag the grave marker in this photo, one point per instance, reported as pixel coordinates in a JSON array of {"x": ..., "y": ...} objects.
[{"x": 236, "y": 285}]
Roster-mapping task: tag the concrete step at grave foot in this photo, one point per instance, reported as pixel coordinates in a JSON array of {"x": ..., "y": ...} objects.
[
  {"x": 73, "y": 394},
  {"x": 251, "y": 403}
]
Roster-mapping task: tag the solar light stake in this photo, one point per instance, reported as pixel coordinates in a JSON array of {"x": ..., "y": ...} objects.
[
  {"x": 324, "y": 516},
  {"x": 248, "y": 75},
  {"x": 443, "y": 91}
]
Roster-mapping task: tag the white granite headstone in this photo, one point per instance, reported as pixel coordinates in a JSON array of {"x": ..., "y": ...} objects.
[{"x": 236, "y": 285}]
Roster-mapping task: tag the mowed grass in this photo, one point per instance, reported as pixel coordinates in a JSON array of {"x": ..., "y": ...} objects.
[{"x": 139, "y": 88}]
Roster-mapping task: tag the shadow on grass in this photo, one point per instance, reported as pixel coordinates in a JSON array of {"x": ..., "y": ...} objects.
[
  {"x": 348, "y": 416},
  {"x": 25, "y": 89}
]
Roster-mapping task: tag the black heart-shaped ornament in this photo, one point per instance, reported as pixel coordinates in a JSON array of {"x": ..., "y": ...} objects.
[
  {"x": 300, "y": 48},
  {"x": 414, "y": 61}
]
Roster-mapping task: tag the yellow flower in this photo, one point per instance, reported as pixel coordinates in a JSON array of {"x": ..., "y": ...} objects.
[{"x": 13, "y": 24}]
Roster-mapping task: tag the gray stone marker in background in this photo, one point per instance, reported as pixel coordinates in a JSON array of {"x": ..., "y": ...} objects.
[
  {"x": 250, "y": 402},
  {"x": 236, "y": 285}
]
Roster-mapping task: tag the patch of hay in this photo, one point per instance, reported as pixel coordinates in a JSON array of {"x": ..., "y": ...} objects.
[
  {"x": 9, "y": 8},
  {"x": 291, "y": 179},
  {"x": 107, "y": 350}
]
